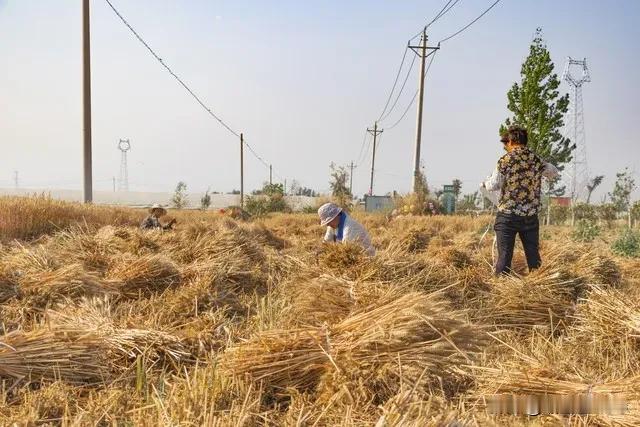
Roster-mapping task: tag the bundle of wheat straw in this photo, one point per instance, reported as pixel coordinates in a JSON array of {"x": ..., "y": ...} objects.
[
  {"x": 144, "y": 275},
  {"x": 293, "y": 358},
  {"x": 68, "y": 282},
  {"x": 94, "y": 317},
  {"x": 597, "y": 268},
  {"x": 543, "y": 298},
  {"x": 21, "y": 260},
  {"x": 530, "y": 380},
  {"x": 67, "y": 354},
  {"x": 319, "y": 300},
  {"x": 608, "y": 315},
  {"x": 219, "y": 252},
  {"x": 347, "y": 259},
  {"x": 80, "y": 245},
  {"x": 413, "y": 240},
  {"x": 416, "y": 339},
  {"x": 398, "y": 340}
]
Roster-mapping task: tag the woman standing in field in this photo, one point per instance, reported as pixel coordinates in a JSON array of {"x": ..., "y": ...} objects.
[{"x": 518, "y": 177}]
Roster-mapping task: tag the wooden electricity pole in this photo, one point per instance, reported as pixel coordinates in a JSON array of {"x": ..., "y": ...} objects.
[
  {"x": 270, "y": 175},
  {"x": 241, "y": 171},
  {"x": 421, "y": 51},
  {"x": 375, "y": 133},
  {"x": 87, "y": 189}
]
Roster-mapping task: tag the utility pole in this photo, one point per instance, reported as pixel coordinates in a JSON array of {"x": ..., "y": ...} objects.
[
  {"x": 351, "y": 178},
  {"x": 15, "y": 180},
  {"x": 270, "y": 175},
  {"x": 241, "y": 171},
  {"x": 114, "y": 184},
  {"x": 285, "y": 186},
  {"x": 87, "y": 191},
  {"x": 421, "y": 51},
  {"x": 375, "y": 133}
]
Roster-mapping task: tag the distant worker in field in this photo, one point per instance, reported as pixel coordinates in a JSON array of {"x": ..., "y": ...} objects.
[
  {"x": 518, "y": 178},
  {"x": 152, "y": 222},
  {"x": 341, "y": 228}
]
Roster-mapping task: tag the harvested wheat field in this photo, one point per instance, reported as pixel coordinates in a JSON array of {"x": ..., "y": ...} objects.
[{"x": 256, "y": 323}]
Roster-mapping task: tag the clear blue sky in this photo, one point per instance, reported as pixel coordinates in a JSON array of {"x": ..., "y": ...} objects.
[{"x": 302, "y": 80}]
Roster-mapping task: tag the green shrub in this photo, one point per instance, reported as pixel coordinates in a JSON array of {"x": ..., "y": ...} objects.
[
  {"x": 559, "y": 214},
  {"x": 585, "y": 231},
  {"x": 627, "y": 244},
  {"x": 607, "y": 212},
  {"x": 262, "y": 205},
  {"x": 585, "y": 211}
]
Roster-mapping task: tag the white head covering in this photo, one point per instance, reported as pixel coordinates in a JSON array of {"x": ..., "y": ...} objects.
[{"x": 328, "y": 212}]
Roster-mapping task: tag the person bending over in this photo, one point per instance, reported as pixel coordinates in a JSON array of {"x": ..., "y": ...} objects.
[
  {"x": 342, "y": 228},
  {"x": 152, "y": 222}
]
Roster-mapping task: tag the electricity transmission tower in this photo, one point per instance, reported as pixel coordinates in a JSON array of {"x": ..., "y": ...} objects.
[
  {"x": 123, "y": 183},
  {"x": 578, "y": 172}
]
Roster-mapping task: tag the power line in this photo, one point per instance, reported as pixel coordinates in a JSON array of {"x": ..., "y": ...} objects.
[
  {"x": 362, "y": 151},
  {"x": 184, "y": 85},
  {"x": 446, "y": 8},
  {"x": 470, "y": 23},
  {"x": 414, "y": 96},
  {"x": 413, "y": 61},
  {"x": 395, "y": 82}
]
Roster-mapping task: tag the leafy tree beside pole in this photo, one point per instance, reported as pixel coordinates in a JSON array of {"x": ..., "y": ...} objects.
[
  {"x": 621, "y": 194},
  {"x": 537, "y": 105}
]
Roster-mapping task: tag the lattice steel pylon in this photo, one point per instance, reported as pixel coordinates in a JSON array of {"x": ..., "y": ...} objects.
[
  {"x": 574, "y": 128},
  {"x": 123, "y": 182}
]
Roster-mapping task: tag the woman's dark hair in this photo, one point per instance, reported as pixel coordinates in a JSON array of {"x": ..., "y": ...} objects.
[{"x": 517, "y": 134}]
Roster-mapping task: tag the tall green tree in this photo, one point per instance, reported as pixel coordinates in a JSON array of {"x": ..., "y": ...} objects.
[
  {"x": 621, "y": 194},
  {"x": 537, "y": 105},
  {"x": 179, "y": 198},
  {"x": 339, "y": 185}
]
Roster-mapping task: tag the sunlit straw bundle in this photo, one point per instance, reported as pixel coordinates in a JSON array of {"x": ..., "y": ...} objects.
[
  {"x": 412, "y": 338},
  {"x": 144, "y": 275},
  {"x": 609, "y": 315},
  {"x": 543, "y": 298},
  {"x": 597, "y": 268},
  {"x": 122, "y": 344},
  {"x": 68, "y": 354},
  {"x": 319, "y": 300},
  {"x": 68, "y": 282}
]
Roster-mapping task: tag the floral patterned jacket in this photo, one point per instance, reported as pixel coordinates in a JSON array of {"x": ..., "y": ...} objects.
[{"x": 518, "y": 176}]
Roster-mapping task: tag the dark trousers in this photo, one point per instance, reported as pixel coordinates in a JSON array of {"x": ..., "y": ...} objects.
[{"x": 507, "y": 226}]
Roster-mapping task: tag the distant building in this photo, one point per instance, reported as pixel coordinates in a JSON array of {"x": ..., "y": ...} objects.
[{"x": 378, "y": 203}]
